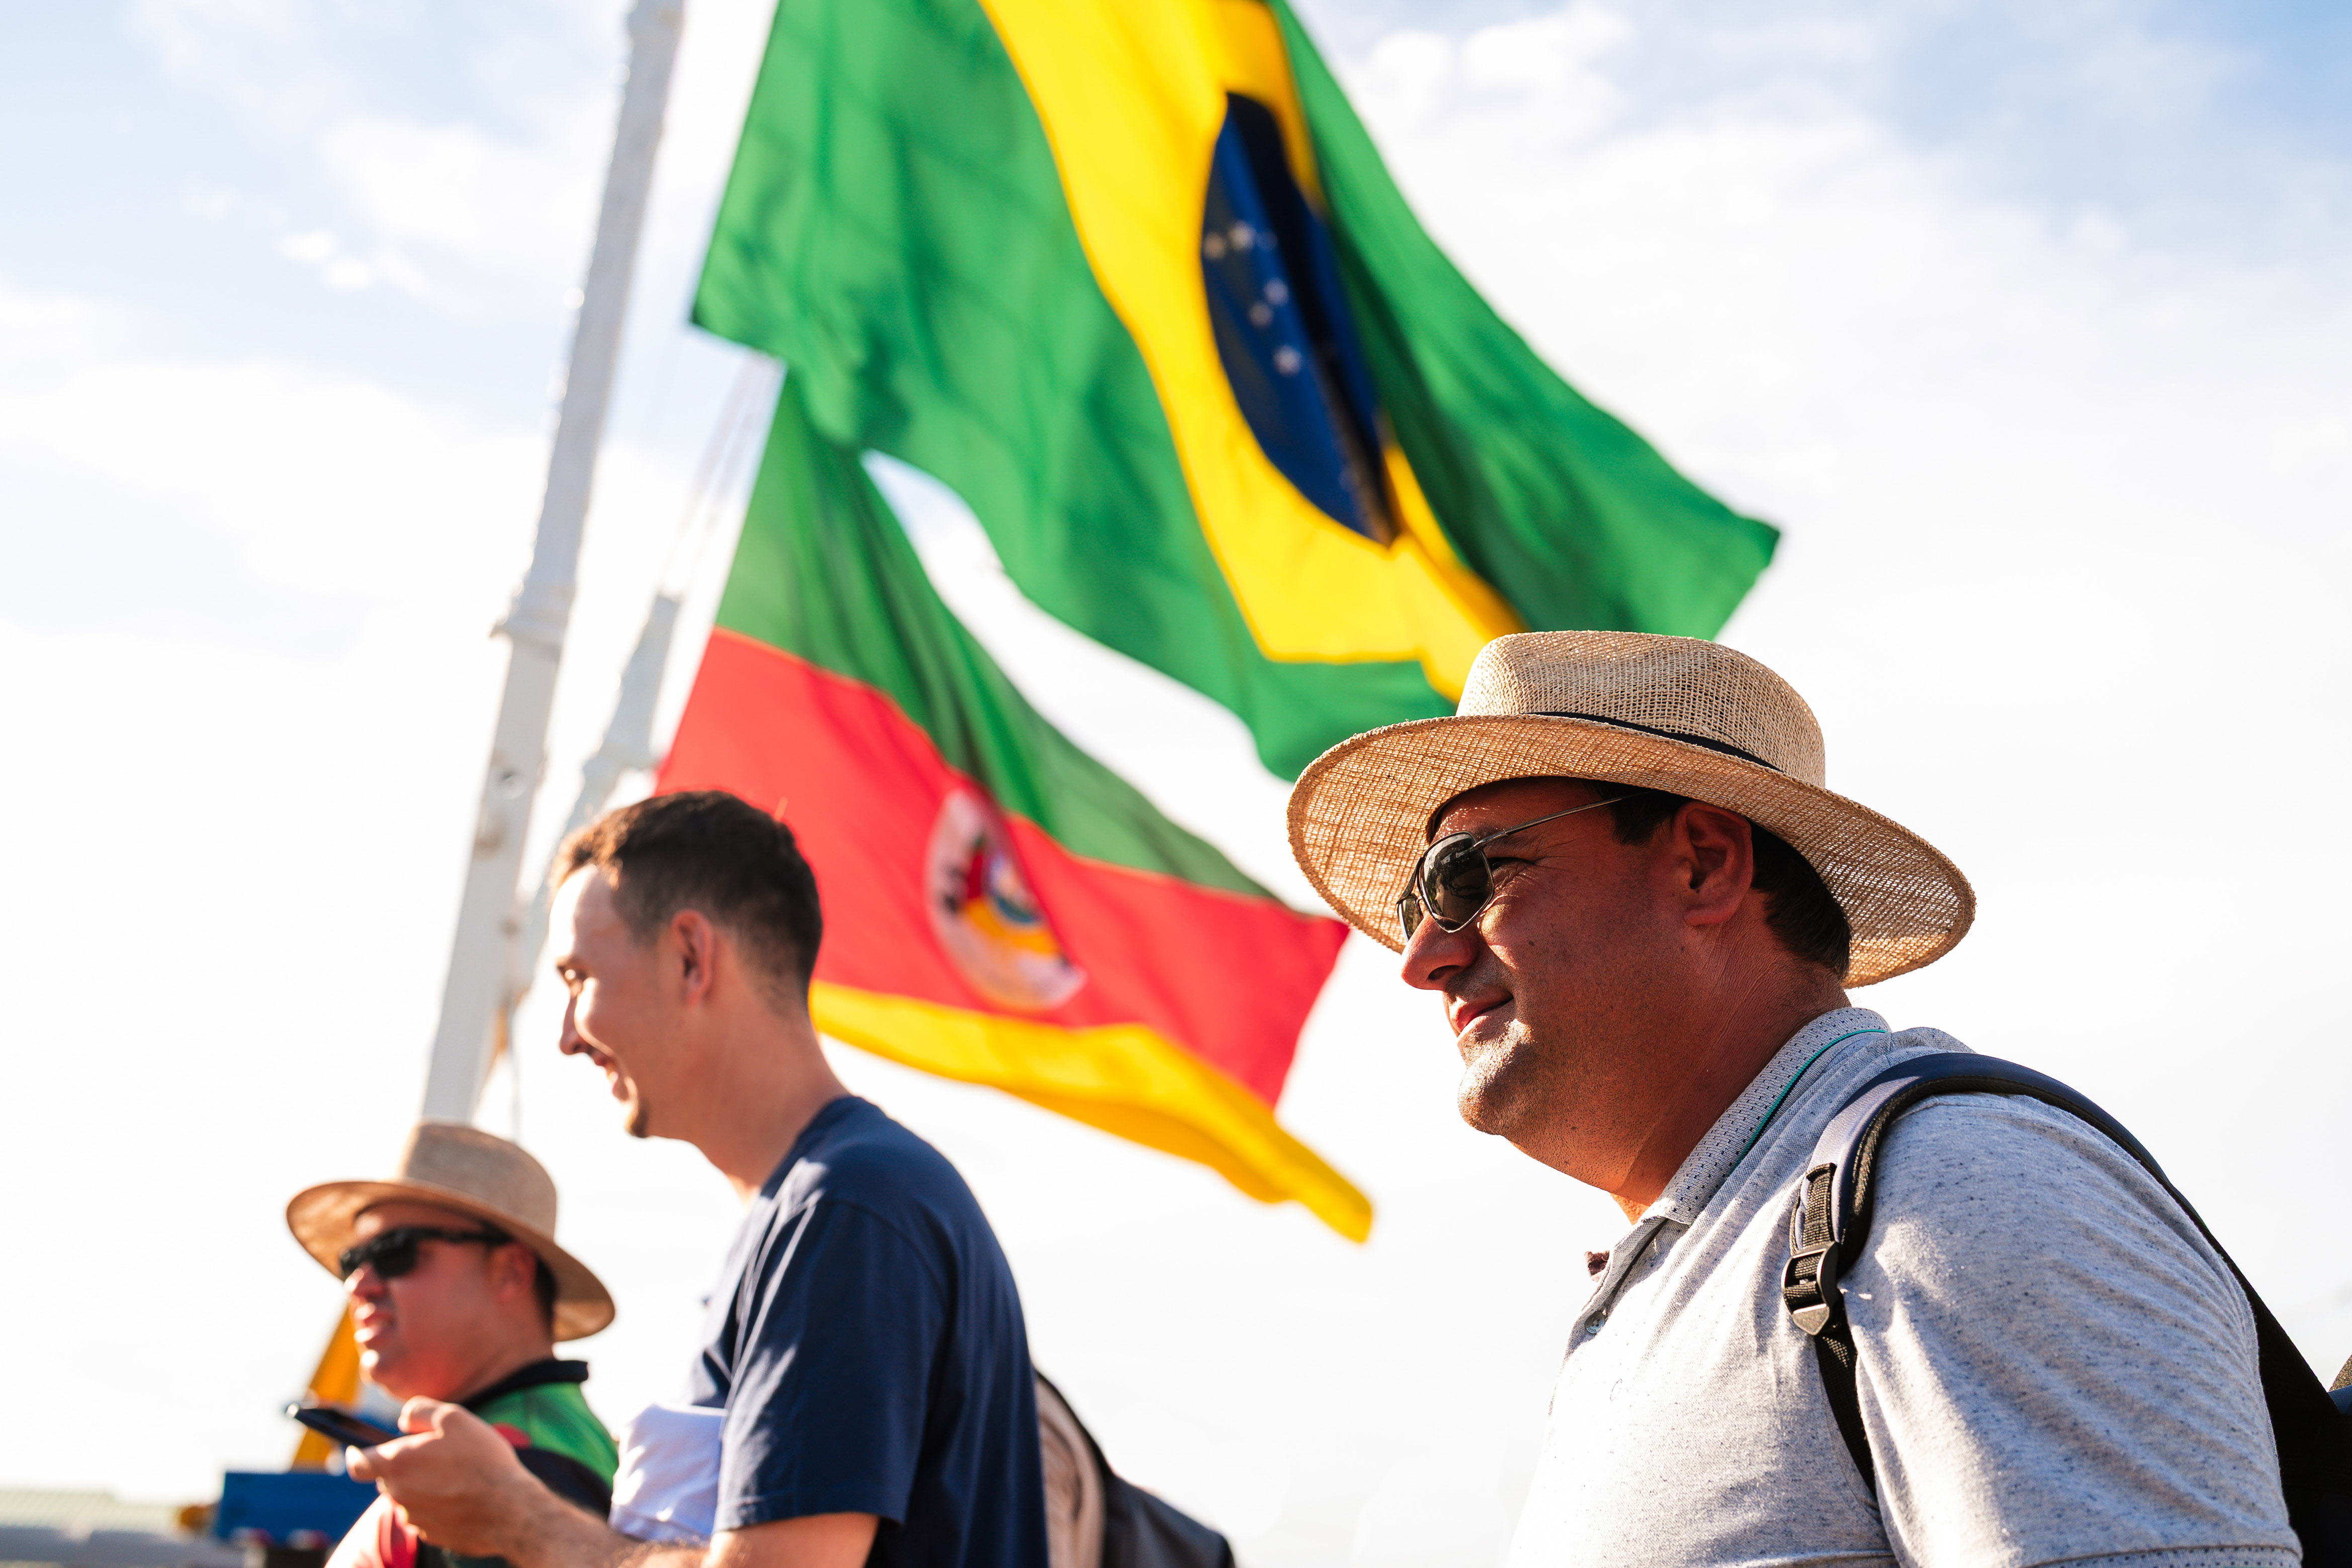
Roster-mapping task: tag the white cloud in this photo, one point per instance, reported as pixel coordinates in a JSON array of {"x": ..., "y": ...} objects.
[
  {"x": 2123, "y": 69},
  {"x": 320, "y": 250},
  {"x": 328, "y": 484},
  {"x": 507, "y": 193},
  {"x": 262, "y": 57},
  {"x": 507, "y": 209},
  {"x": 346, "y": 273},
  {"x": 1551, "y": 59},
  {"x": 324, "y": 484},
  {"x": 315, "y": 246},
  {"x": 47, "y": 332}
]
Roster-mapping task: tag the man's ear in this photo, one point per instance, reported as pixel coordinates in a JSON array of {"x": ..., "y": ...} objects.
[
  {"x": 514, "y": 1271},
  {"x": 697, "y": 952},
  {"x": 1715, "y": 862}
]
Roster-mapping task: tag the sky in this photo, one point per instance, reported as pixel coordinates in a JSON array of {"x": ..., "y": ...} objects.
[{"x": 2024, "y": 322}]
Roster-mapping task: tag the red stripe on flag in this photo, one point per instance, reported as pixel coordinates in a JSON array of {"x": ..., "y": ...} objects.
[{"x": 1229, "y": 978}]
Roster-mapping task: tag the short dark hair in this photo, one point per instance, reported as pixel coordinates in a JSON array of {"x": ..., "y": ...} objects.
[
  {"x": 708, "y": 851},
  {"x": 1801, "y": 911}
]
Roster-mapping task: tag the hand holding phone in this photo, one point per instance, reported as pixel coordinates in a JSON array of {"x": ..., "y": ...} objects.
[{"x": 342, "y": 1426}]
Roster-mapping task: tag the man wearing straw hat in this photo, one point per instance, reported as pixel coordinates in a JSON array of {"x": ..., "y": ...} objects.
[
  {"x": 459, "y": 1293},
  {"x": 1619, "y": 869}
]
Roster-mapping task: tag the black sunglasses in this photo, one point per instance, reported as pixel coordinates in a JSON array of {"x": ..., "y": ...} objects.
[
  {"x": 393, "y": 1251},
  {"x": 1454, "y": 880}
]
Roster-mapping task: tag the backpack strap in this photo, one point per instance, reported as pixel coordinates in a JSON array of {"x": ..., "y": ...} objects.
[
  {"x": 1831, "y": 1219},
  {"x": 1831, "y": 1223}
]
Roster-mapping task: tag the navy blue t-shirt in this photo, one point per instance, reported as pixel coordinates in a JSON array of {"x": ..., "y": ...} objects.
[{"x": 866, "y": 1342}]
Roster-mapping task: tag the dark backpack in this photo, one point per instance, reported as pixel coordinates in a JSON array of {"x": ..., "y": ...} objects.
[
  {"x": 1831, "y": 1223},
  {"x": 1141, "y": 1531},
  {"x": 1138, "y": 1531}
]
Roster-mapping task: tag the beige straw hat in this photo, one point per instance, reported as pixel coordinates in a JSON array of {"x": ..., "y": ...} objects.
[
  {"x": 1676, "y": 714},
  {"x": 456, "y": 1166}
]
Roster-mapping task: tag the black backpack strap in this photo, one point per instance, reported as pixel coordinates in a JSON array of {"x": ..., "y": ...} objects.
[
  {"x": 1831, "y": 1222},
  {"x": 1831, "y": 1219}
]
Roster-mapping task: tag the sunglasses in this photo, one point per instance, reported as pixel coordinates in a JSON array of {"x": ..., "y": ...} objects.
[
  {"x": 393, "y": 1251},
  {"x": 1454, "y": 880}
]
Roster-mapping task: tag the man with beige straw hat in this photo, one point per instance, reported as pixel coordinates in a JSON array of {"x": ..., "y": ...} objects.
[
  {"x": 1619, "y": 868},
  {"x": 459, "y": 1293}
]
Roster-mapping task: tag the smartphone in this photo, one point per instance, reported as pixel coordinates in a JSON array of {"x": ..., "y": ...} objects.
[{"x": 339, "y": 1424}]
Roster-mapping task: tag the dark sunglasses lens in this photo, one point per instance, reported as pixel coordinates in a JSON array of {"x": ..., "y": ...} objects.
[
  {"x": 1409, "y": 914},
  {"x": 1456, "y": 883},
  {"x": 394, "y": 1254}
]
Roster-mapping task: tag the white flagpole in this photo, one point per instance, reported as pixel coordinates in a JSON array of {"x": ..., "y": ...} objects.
[{"x": 489, "y": 920}]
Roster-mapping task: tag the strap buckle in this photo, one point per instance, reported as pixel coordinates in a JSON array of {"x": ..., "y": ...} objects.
[{"x": 1809, "y": 1286}]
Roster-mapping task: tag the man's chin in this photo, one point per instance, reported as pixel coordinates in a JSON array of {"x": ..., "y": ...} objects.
[
  {"x": 1475, "y": 1100},
  {"x": 1489, "y": 1096},
  {"x": 636, "y": 1121}
]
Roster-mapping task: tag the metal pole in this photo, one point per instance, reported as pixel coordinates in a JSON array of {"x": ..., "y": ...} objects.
[
  {"x": 629, "y": 746},
  {"x": 487, "y": 918}
]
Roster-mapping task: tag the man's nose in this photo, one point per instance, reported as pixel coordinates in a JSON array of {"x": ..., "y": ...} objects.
[
  {"x": 365, "y": 1283},
  {"x": 569, "y": 1042},
  {"x": 1435, "y": 953}
]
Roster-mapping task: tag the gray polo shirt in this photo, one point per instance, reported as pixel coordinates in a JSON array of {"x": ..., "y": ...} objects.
[{"x": 2053, "y": 1365}]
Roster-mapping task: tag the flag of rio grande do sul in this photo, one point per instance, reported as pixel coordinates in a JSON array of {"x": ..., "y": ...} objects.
[{"x": 999, "y": 906}]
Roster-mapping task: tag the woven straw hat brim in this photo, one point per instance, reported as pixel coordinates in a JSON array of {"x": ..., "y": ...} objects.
[
  {"x": 1359, "y": 816},
  {"x": 323, "y": 1220}
]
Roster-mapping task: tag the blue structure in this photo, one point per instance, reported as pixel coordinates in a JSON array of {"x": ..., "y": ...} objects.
[{"x": 290, "y": 1507}]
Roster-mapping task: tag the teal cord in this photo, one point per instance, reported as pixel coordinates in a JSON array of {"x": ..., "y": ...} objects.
[{"x": 1775, "y": 1109}]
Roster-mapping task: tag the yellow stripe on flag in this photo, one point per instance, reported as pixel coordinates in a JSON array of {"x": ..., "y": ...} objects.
[
  {"x": 1123, "y": 1078},
  {"x": 1132, "y": 96},
  {"x": 336, "y": 1382}
]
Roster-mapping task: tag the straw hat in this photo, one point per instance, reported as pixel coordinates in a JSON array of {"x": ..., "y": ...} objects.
[
  {"x": 1677, "y": 714},
  {"x": 456, "y": 1166}
]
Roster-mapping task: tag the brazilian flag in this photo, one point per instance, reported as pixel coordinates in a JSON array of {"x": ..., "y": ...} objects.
[{"x": 1129, "y": 277}]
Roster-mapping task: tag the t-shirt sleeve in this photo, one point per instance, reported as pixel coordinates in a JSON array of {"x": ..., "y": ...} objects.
[
  {"x": 827, "y": 1409},
  {"x": 2052, "y": 1362}
]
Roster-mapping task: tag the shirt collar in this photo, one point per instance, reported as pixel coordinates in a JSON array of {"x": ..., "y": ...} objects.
[{"x": 1734, "y": 1134}]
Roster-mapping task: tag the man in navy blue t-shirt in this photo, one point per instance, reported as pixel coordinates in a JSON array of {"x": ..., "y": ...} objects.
[{"x": 865, "y": 1342}]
